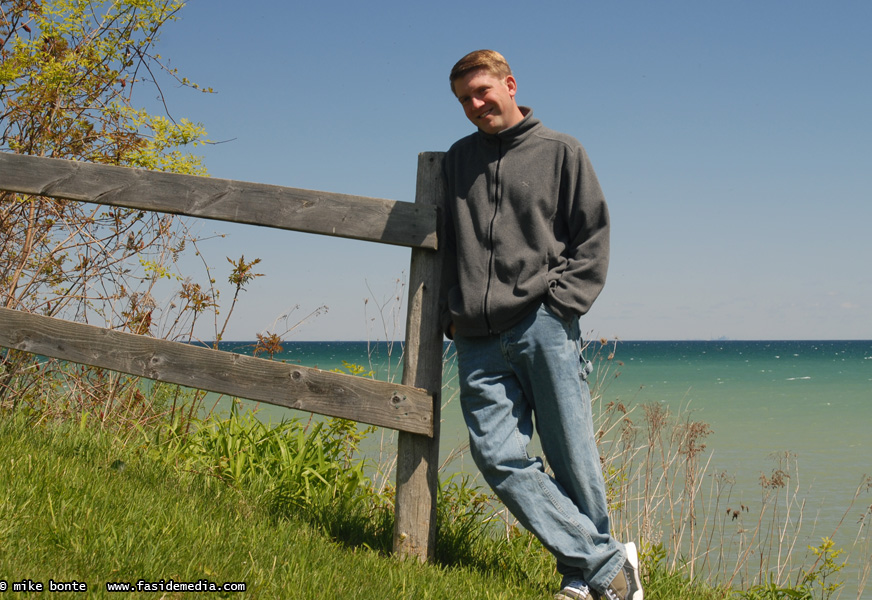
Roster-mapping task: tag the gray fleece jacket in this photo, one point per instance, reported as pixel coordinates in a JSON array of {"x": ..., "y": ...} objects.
[{"x": 526, "y": 222}]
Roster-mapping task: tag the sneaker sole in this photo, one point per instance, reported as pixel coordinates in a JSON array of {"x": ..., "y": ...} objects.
[{"x": 633, "y": 559}]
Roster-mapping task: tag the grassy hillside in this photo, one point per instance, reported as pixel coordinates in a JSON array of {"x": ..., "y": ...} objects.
[{"x": 76, "y": 507}]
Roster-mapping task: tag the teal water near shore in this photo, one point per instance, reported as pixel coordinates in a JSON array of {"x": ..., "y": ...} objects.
[
  {"x": 760, "y": 398},
  {"x": 813, "y": 398}
]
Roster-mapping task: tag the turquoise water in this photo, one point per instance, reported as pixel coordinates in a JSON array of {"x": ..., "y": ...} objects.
[
  {"x": 809, "y": 398},
  {"x": 813, "y": 399}
]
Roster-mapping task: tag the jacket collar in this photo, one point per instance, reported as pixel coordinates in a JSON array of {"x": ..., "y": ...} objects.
[{"x": 516, "y": 132}]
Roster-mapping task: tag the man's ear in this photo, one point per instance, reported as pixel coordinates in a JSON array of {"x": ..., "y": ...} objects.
[{"x": 512, "y": 85}]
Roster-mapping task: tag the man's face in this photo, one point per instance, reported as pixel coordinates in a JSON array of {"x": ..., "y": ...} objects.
[{"x": 489, "y": 102}]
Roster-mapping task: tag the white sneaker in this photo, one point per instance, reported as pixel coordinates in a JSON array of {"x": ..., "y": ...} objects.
[{"x": 627, "y": 585}]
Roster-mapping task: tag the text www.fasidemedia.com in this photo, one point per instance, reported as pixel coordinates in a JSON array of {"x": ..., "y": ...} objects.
[{"x": 164, "y": 585}]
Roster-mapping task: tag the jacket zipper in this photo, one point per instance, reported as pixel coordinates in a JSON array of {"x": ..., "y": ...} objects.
[{"x": 492, "y": 259}]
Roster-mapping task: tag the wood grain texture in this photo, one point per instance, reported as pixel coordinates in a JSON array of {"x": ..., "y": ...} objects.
[
  {"x": 340, "y": 215},
  {"x": 417, "y": 455},
  {"x": 399, "y": 407}
]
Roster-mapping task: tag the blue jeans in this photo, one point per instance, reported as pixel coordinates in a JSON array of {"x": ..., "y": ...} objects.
[{"x": 536, "y": 368}]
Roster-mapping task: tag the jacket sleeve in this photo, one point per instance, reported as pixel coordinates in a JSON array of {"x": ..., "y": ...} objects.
[{"x": 588, "y": 229}]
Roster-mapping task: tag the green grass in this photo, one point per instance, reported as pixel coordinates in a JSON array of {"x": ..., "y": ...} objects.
[
  {"x": 75, "y": 506},
  {"x": 284, "y": 509}
]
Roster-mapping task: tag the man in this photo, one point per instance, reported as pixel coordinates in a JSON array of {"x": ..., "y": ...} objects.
[{"x": 527, "y": 245}]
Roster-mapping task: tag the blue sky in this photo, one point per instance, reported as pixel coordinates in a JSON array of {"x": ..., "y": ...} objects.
[{"x": 732, "y": 139}]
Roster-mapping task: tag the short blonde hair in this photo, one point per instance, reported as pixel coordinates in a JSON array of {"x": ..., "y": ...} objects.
[{"x": 490, "y": 60}]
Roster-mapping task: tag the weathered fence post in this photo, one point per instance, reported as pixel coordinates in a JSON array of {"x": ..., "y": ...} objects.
[{"x": 418, "y": 455}]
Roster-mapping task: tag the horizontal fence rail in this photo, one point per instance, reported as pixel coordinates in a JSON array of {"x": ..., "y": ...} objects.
[
  {"x": 339, "y": 215},
  {"x": 395, "y": 406}
]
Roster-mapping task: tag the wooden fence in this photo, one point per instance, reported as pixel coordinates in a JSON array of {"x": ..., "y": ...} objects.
[{"x": 412, "y": 407}]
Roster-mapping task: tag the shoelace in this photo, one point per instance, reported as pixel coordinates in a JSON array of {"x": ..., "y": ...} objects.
[{"x": 580, "y": 593}]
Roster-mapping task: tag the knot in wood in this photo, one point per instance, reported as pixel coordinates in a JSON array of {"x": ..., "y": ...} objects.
[
  {"x": 396, "y": 399},
  {"x": 296, "y": 376}
]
